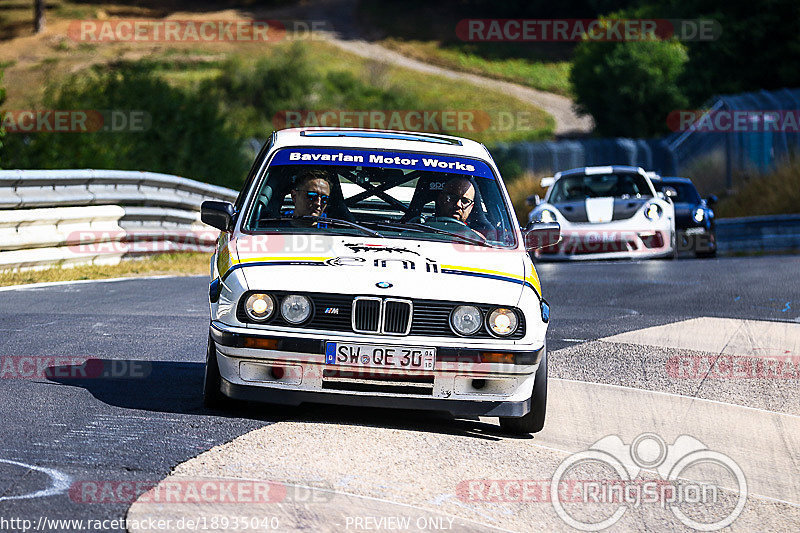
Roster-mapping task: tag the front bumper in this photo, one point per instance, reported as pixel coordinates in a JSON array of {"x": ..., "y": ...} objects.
[
  {"x": 696, "y": 239},
  {"x": 459, "y": 383},
  {"x": 613, "y": 243}
]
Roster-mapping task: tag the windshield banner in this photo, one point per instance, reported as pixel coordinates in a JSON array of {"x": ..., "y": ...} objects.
[{"x": 401, "y": 160}]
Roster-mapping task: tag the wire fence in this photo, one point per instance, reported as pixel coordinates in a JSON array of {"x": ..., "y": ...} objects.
[{"x": 732, "y": 138}]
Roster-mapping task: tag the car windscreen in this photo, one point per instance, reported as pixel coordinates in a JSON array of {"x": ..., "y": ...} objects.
[
  {"x": 394, "y": 194},
  {"x": 686, "y": 192},
  {"x": 617, "y": 185}
]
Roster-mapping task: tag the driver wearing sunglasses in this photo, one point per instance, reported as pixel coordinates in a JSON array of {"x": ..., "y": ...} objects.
[
  {"x": 311, "y": 195},
  {"x": 456, "y": 199}
]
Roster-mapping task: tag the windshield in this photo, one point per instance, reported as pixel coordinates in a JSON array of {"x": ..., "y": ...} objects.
[
  {"x": 580, "y": 187},
  {"x": 381, "y": 194},
  {"x": 686, "y": 192}
]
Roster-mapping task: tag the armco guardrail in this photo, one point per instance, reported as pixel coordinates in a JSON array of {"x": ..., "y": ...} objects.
[
  {"x": 70, "y": 217},
  {"x": 772, "y": 233}
]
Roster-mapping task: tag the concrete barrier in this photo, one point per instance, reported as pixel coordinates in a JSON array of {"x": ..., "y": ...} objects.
[{"x": 71, "y": 217}]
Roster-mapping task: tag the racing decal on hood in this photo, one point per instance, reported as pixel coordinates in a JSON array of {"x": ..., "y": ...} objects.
[
  {"x": 430, "y": 267},
  {"x": 623, "y": 209},
  {"x": 382, "y": 159},
  {"x": 379, "y": 248},
  {"x": 599, "y": 210},
  {"x": 224, "y": 261}
]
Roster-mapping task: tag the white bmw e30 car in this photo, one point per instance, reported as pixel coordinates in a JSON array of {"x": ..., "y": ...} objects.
[
  {"x": 377, "y": 268},
  {"x": 606, "y": 212}
]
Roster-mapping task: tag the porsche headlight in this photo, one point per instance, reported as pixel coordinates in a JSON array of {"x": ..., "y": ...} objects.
[
  {"x": 295, "y": 308},
  {"x": 699, "y": 214},
  {"x": 547, "y": 216},
  {"x": 259, "y": 307},
  {"x": 503, "y": 322},
  {"x": 653, "y": 211},
  {"x": 466, "y": 319}
]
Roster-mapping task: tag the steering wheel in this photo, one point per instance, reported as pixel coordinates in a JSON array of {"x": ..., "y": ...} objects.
[
  {"x": 446, "y": 220},
  {"x": 461, "y": 227}
]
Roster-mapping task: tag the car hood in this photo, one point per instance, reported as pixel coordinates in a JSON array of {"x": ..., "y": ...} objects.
[
  {"x": 387, "y": 267},
  {"x": 600, "y": 210}
]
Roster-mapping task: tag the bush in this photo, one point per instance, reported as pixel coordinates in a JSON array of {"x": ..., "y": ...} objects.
[
  {"x": 188, "y": 134},
  {"x": 629, "y": 87},
  {"x": 254, "y": 93},
  {"x": 773, "y": 193},
  {"x": 2, "y": 130}
]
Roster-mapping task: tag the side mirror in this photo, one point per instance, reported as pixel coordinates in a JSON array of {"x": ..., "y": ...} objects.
[
  {"x": 533, "y": 200},
  {"x": 711, "y": 200},
  {"x": 217, "y": 214},
  {"x": 541, "y": 234},
  {"x": 548, "y": 181}
]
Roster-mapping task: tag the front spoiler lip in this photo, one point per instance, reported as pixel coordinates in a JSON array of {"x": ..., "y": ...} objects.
[
  {"x": 317, "y": 346},
  {"x": 454, "y": 407}
]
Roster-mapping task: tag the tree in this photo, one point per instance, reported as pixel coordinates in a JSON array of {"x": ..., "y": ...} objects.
[
  {"x": 629, "y": 87},
  {"x": 38, "y": 16}
]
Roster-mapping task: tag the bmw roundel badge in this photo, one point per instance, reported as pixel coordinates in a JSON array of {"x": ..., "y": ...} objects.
[{"x": 383, "y": 285}]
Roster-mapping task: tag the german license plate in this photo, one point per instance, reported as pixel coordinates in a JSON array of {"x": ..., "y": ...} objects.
[{"x": 370, "y": 355}]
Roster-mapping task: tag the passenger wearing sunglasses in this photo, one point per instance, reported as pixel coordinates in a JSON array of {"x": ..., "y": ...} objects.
[
  {"x": 311, "y": 194},
  {"x": 456, "y": 200}
]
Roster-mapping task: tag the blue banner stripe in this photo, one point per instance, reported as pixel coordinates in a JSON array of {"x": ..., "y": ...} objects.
[{"x": 382, "y": 159}]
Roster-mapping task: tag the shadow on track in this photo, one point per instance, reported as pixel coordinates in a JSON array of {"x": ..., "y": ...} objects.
[{"x": 176, "y": 387}]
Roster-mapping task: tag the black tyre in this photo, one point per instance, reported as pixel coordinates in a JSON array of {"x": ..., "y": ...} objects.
[
  {"x": 533, "y": 422},
  {"x": 212, "y": 396},
  {"x": 674, "y": 253},
  {"x": 706, "y": 255},
  {"x": 709, "y": 251}
]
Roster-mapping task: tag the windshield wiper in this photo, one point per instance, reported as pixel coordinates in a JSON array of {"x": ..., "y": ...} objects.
[
  {"x": 326, "y": 220},
  {"x": 394, "y": 225},
  {"x": 464, "y": 238}
]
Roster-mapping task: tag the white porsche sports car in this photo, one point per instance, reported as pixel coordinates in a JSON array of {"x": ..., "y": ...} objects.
[
  {"x": 377, "y": 268},
  {"x": 606, "y": 212}
]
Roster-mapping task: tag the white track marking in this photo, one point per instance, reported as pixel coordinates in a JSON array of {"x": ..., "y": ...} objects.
[{"x": 60, "y": 482}]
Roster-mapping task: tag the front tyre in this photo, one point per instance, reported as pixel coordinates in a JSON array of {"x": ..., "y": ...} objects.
[
  {"x": 533, "y": 422},
  {"x": 212, "y": 396}
]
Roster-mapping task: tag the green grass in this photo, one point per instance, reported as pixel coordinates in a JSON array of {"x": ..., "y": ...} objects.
[
  {"x": 775, "y": 193},
  {"x": 549, "y": 76},
  {"x": 179, "y": 264},
  {"x": 420, "y": 91},
  {"x": 433, "y": 92}
]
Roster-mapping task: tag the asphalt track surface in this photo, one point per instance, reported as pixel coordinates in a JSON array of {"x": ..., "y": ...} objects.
[{"x": 59, "y": 433}]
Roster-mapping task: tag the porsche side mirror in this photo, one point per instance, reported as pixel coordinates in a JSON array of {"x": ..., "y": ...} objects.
[
  {"x": 541, "y": 234},
  {"x": 217, "y": 214},
  {"x": 711, "y": 200}
]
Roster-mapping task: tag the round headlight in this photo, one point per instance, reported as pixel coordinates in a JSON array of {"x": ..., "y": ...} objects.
[
  {"x": 698, "y": 214},
  {"x": 547, "y": 216},
  {"x": 259, "y": 307},
  {"x": 295, "y": 308},
  {"x": 652, "y": 211},
  {"x": 466, "y": 319},
  {"x": 503, "y": 321}
]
